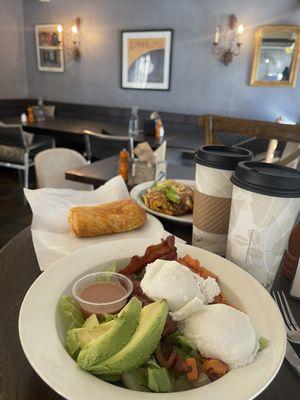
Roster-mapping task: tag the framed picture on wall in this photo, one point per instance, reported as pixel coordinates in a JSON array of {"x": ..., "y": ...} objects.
[
  {"x": 146, "y": 59},
  {"x": 49, "y": 48}
]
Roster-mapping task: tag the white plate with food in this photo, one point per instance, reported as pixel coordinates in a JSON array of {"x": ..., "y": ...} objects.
[
  {"x": 166, "y": 204},
  {"x": 136, "y": 348}
]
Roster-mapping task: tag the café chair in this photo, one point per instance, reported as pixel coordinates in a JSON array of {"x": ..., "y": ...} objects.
[
  {"x": 290, "y": 156},
  {"x": 17, "y": 148},
  {"x": 51, "y": 165},
  {"x": 258, "y": 136},
  {"x": 117, "y": 143}
]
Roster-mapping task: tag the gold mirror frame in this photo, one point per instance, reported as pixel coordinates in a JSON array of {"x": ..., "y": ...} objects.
[{"x": 294, "y": 64}]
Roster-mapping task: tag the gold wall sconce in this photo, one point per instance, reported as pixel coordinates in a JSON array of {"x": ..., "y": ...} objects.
[
  {"x": 228, "y": 39},
  {"x": 75, "y": 34}
]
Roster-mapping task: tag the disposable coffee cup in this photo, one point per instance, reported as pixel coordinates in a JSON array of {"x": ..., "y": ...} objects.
[
  {"x": 214, "y": 167},
  {"x": 264, "y": 208}
]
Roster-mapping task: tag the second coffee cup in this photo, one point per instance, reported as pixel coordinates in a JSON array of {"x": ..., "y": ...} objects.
[
  {"x": 265, "y": 205},
  {"x": 214, "y": 167}
]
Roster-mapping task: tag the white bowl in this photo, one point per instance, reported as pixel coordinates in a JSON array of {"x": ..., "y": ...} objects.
[{"x": 42, "y": 330}]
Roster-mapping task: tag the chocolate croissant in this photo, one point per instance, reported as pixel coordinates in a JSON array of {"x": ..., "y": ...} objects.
[{"x": 115, "y": 217}]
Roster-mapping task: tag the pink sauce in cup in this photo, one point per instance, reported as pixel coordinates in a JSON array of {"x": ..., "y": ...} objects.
[{"x": 102, "y": 292}]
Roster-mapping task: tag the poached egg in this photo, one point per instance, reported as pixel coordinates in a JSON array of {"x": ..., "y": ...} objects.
[
  {"x": 222, "y": 332},
  {"x": 172, "y": 281}
]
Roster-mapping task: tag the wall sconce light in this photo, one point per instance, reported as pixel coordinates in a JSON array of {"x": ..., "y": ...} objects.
[
  {"x": 228, "y": 39},
  {"x": 75, "y": 31}
]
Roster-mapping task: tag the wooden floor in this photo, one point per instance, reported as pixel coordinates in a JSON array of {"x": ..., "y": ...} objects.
[{"x": 15, "y": 215}]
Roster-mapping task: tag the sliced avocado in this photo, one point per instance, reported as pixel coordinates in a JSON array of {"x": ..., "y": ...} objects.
[
  {"x": 91, "y": 322},
  {"x": 114, "y": 339},
  {"x": 142, "y": 344},
  {"x": 85, "y": 336},
  {"x": 79, "y": 338}
]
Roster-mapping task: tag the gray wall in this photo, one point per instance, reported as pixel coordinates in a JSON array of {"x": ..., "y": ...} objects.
[
  {"x": 12, "y": 58},
  {"x": 200, "y": 84}
]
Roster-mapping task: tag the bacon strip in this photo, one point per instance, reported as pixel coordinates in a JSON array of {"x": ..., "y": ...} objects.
[
  {"x": 165, "y": 250},
  {"x": 166, "y": 357},
  {"x": 164, "y": 354},
  {"x": 195, "y": 266},
  {"x": 137, "y": 292}
]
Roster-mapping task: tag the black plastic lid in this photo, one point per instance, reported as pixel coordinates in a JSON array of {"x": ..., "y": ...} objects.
[
  {"x": 269, "y": 179},
  {"x": 221, "y": 157}
]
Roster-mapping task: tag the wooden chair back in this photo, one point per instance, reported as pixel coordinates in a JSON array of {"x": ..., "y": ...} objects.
[{"x": 214, "y": 124}]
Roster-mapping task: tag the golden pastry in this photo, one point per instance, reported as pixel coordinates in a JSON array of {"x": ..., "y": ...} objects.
[{"x": 115, "y": 217}]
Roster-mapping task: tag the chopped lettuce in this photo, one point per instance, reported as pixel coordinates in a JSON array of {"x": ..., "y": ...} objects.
[
  {"x": 263, "y": 343},
  {"x": 159, "y": 380},
  {"x": 150, "y": 376},
  {"x": 183, "y": 346},
  {"x": 72, "y": 344},
  {"x": 71, "y": 311},
  {"x": 112, "y": 267},
  {"x": 152, "y": 363},
  {"x": 136, "y": 380},
  {"x": 109, "y": 278}
]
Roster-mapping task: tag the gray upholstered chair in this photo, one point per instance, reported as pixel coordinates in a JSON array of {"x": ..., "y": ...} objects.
[
  {"x": 17, "y": 148},
  {"x": 95, "y": 141}
]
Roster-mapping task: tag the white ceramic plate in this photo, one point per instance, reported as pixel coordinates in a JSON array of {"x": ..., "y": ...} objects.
[
  {"x": 135, "y": 194},
  {"x": 41, "y": 327}
]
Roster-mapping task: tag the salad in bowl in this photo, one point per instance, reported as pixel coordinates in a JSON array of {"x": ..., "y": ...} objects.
[{"x": 162, "y": 323}]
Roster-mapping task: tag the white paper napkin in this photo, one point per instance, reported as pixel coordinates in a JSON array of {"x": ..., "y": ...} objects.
[
  {"x": 52, "y": 237},
  {"x": 161, "y": 151}
]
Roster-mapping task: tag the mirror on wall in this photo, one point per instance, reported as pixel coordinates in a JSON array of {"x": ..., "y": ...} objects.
[{"x": 276, "y": 53}]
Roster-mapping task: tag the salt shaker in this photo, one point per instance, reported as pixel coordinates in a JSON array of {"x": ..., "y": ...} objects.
[{"x": 23, "y": 119}]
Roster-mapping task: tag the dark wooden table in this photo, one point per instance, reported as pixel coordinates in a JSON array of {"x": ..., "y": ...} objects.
[
  {"x": 18, "y": 381},
  {"x": 57, "y": 126},
  {"x": 100, "y": 172}
]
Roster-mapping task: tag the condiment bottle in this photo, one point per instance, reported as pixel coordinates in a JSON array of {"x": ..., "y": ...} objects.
[
  {"x": 40, "y": 114},
  {"x": 30, "y": 116},
  {"x": 159, "y": 128},
  {"x": 291, "y": 255},
  {"x": 123, "y": 164},
  {"x": 133, "y": 128},
  {"x": 23, "y": 119}
]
